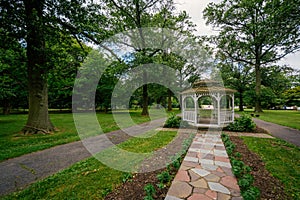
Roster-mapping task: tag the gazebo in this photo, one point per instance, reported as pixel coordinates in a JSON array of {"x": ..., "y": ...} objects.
[{"x": 208, "y": 104}]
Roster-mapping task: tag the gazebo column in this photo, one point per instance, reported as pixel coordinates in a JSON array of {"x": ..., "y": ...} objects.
[
  {"x": 183, "y": 106},
  {"x": 219, "y": 105},
  {"x": 232, "y": 96},
  {"x": 196, "y": 109}
]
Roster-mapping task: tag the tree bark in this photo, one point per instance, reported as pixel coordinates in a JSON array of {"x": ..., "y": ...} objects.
[
  {"x": 258, "y": 89},
  {"x": 169, "y": 100},
  {"x": 241, "y": 98},
  {"x": 145, "y": 111},
  {"x": 38, "y": 117},
  {"x": 6, "y": 108}
]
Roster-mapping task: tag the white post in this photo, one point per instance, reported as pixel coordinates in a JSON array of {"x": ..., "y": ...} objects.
[
  {"x": 183, "y": 107},
  {"x": 196, "y": 109},
  {"x": 219, "y": 114},
  {"x": 232, "y": 107}
]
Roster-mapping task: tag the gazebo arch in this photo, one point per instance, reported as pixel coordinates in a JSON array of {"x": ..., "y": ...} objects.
[{"x": 218, "y": 113}]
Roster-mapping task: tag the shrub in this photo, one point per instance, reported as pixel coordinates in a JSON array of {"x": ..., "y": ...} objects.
[
  {"x": 242, "y": 124},
  {"x": 173, "y": 121}
]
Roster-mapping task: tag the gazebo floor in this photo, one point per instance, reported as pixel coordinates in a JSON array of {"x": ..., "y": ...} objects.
[{"x": 208, "y": 123}]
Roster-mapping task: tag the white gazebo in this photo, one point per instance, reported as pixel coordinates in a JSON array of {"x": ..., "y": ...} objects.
[{"x": 208, "y": 104}]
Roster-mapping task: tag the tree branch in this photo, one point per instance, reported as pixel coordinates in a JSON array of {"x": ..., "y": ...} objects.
[
  {"x": 123, "y": 10},
  {"x": 150, "y": 4},
  {"x": 74, "y": 31}
]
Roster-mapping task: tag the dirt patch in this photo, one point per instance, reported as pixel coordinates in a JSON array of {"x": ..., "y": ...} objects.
[{"x": 270, "y": 187}]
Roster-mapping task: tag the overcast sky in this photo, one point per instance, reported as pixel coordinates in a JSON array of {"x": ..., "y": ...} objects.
[{"x": 195, "y": 7}]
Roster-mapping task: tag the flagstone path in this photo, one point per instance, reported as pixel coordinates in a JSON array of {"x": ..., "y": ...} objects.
[{"x": 205, "y": 172}]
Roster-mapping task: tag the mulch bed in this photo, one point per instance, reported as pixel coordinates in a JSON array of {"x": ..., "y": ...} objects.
[
  {"x": 270, "y": 187},
  {"x": 134, "y": 189}
]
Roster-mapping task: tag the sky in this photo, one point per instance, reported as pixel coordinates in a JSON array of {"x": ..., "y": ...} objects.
[{"x": 195, "y": 8}]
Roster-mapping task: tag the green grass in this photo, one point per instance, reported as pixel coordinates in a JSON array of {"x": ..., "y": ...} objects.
[
  {"x": 282, "y": 160},
  {"x": 13, "y": 143},
  {"x": 90, "y": 179},
  {"x": 289, "y": 118}
]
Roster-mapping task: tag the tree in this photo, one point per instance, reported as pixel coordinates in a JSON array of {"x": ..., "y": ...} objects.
[
  {"x": 293, "y": 96},
  {"x": 12, "y": 77},
  {"x": 67, "y": 57},
  {"x": 278, "y": 80},
  {"x": 34, "y": 22},
  {"x": 236, "y": 76},
  {"x": 138, "y": 14},
  {"x": 255, "y": 32}
]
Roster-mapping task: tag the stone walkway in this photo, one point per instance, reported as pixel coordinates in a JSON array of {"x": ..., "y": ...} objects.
[{"x": 205, "y": 173}]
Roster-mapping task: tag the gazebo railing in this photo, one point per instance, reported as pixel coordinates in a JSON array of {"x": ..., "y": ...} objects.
[
  {"x": 226, "y": 116},
  {"x": 189, "y": 116}
]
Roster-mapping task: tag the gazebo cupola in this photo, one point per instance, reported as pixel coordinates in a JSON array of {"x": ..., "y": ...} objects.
[{"x": 208, "y": 104}]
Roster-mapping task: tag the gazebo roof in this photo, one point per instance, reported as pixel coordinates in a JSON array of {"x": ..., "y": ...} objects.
[{"x": 208, "y": 86}]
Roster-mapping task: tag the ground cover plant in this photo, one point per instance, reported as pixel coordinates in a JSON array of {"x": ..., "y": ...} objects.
[
  {"x": 281, "y": 159},
  {"x": 13, "y": 143},
  {"x": 289, "y": 118},
  {"x": 89, "y": 179}
]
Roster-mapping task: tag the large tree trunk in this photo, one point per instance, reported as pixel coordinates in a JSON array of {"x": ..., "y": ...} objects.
[
  {"x": 6, "y": 107},
  {"x": 169, "y": 100},
  {"x": 258, "y": 89},
  {"x": 241, "y": 98},
  {"x": 145, "y": 111},
  {"x": 38, "y": 118}
]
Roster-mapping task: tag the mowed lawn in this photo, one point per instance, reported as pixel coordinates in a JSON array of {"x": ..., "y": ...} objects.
[
  {"x": 13, "y": 143},
  {"x": 90, "y": 179},
  {"x": 289, "y": 118}
]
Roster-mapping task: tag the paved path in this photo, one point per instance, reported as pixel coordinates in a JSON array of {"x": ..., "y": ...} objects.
[
  {"x": 288, "y": 134},
  {"x": 17, "y": 173},
  {"x": 205, "y": 172}
]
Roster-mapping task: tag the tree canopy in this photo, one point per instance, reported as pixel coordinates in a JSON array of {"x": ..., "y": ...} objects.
[{"x": 255, "y": 32}]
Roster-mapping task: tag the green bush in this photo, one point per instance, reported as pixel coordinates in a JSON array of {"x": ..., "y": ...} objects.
[
  {"x": 173, "y": 121},
  {"x": 242, "y": 124}
]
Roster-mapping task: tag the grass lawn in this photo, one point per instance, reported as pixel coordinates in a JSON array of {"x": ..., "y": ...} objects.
[
  {"x": 89, "y": 179},
  {"x": 282, "y": 160},
  {"x": 13, "y": 144},
  {"x": 288, "y": 118}
]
